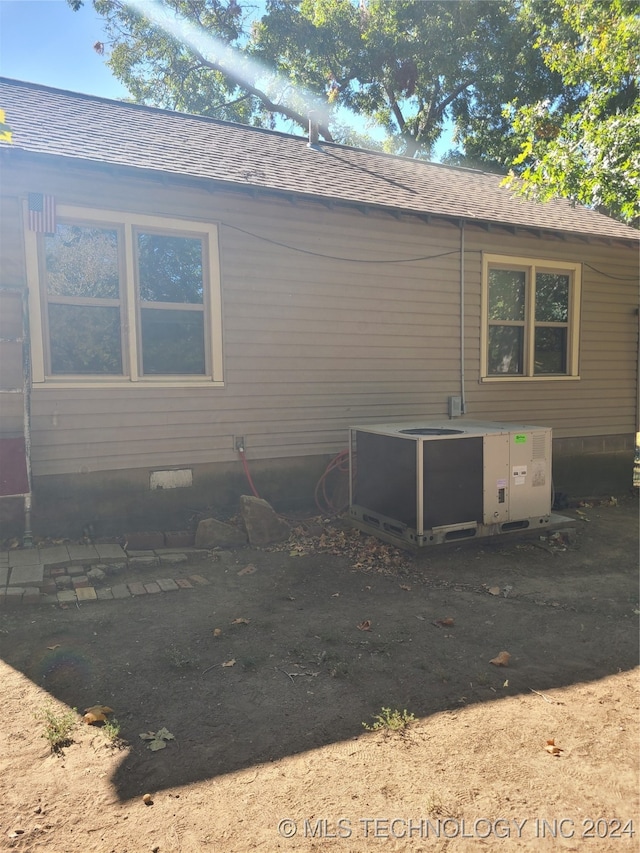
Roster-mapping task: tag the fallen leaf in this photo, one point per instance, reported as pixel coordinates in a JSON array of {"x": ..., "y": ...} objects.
[
  {"x": 494, "y": 590},
  {"x": 53, "y": 648},
  {"x": 421, "y": 618},
  {"x": 506, "y": 683},
  {"x": 100, "y": 709},
  {"x": 552, "y": 749},
  {"x": 94, "y": 717},
  {"x": 96, "y": 714},
  {"x": 157, "y": 740},
  {"x": 231, "y": 662},
  {"x": 240, "y": 621},
  {"x": 365, "y": 626},
  {"x": 405, "y": 587},
  {"x": 248, "y": 570},
  {"x": 164, "y": 734},
  {"x": 501, "y": 660},
  {"x": 336, "y": 595},
  {"x": 217, "y": 632},
  {"x": 447, "y": 622}
]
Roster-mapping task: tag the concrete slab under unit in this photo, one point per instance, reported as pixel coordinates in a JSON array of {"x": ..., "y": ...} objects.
[
  {"x": 27, "y": 575},
  {"x": 83, "y": 555},
  {"x": 27, "y": 557},
  {"x": 4, "y": 575}
]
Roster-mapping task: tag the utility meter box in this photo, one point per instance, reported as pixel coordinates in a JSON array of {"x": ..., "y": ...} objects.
[{"x": 427, "y": 483}]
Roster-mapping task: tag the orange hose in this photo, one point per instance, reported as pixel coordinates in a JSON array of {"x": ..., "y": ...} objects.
[{"x": 245, "y": 465}]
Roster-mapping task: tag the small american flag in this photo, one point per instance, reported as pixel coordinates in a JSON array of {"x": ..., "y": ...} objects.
[{"x": 42, "y": 213}]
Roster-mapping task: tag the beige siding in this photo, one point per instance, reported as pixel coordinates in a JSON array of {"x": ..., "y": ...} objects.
[
  {"x": 603, "y": 401},
  {"x": 313, "y": 345}
]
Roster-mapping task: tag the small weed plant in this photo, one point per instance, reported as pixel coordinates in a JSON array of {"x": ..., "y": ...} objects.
[
  {"x": 58, "y": 726},
  {"x": 394, "y": 721},
  {"x": 111, "y": 730}
]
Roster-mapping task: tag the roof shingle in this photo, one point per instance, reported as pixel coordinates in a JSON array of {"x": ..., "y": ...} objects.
[{"x": 98, "y": 130}]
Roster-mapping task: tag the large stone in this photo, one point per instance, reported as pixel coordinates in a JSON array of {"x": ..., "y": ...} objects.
[
  {"x": 212, "y": 533},
  {"x": 261, "y": 521},
  {"x": 96, "y": 575}
]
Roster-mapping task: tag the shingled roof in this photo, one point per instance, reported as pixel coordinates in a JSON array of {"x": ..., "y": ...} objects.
[{"x": 97, "y": 130}]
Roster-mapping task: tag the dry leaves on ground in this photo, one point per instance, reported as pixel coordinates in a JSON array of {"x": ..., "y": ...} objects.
[
  {"x": 366, "y": 552},
  {"x": 552, "y": 749},
  {"x": 502, "y": 659}
]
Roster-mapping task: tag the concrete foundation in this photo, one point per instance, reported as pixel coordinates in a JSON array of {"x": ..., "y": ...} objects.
[{"x": 111, "y": 503}]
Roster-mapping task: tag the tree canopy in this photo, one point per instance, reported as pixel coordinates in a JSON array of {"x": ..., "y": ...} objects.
[
  {"x": 588, "y": 150},
  {"x": 513, "y": 79}
]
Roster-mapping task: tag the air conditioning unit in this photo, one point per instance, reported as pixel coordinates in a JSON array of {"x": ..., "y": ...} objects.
[{"x": 428, "y": 483}]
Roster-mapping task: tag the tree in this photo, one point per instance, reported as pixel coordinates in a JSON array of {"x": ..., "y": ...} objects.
[
  {"x": 403, "y": 65},
  {"x": 587, "y": 150}
]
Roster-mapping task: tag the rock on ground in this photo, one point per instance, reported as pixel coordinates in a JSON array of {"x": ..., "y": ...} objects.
[
  {"x": 212, "y": 533},
  {"x": 261, "y": 522}
]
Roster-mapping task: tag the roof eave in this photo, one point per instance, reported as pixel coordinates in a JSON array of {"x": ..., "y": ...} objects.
[{"x": 163, "y": 176}]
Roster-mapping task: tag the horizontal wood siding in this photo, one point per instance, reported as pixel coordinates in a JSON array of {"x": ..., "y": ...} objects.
[{"x": 315, "y": 343}]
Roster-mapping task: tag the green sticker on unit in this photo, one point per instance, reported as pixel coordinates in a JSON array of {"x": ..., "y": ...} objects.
[{"x": 520, "y": 439}]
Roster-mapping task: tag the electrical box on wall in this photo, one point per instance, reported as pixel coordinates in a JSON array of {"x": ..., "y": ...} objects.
[{"x": 428, "y": 483}]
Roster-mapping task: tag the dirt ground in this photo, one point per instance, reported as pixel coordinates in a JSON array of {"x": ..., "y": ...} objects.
[{"x": 269, "y": 753}]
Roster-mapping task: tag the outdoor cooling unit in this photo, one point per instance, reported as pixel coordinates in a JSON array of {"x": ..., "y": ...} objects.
[{"x": 428, "y": 483}]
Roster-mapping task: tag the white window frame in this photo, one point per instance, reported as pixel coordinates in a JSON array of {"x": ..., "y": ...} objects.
[
  {"x": 127, "y": 225},
  {"x": 531, "y": 266}
]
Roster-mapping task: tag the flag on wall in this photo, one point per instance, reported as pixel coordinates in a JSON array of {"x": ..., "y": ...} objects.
[
  {"x": 5, "y": 130},
  {"x": 42, "y": 213}
]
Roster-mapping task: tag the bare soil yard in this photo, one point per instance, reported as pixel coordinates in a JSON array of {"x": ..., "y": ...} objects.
[{"x": 269, "y": 752}]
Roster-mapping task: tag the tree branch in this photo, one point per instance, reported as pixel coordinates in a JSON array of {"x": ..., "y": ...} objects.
[
  {"x": 265, "y": 100},
  {"x": 439, "y": 110}
]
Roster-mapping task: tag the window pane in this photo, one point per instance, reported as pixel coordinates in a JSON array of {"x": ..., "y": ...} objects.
[
  {"x": 551, "y": 350},
  {"x": 505, "y": 349},
  {"x": 170, "y": 268},
  {"x": 552, "y": 297},
  {"x": 82, "y": 262},
  {"x": 506, "y": 294},
  {"x": 85, "y": 339},
  {"x": 172, "y": 341}
]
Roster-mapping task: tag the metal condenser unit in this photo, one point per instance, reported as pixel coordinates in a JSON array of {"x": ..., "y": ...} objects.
[{"x": 426, "y": 483}]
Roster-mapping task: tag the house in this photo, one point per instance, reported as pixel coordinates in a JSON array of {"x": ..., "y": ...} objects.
[{"x": 207, "y": 285}]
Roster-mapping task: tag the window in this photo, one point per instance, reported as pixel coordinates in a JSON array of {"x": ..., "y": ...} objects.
[
  {"x": 531, "y": 318},
  {"x": 122, "y": 298}
]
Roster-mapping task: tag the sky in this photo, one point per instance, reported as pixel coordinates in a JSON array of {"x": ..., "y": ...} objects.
[{"x": 44, "y": 41}]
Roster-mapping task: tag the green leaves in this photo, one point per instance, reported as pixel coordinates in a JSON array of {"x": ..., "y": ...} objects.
[
  {"x": 587, "y": 149},
  {"x": 546, "y": 88}
]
